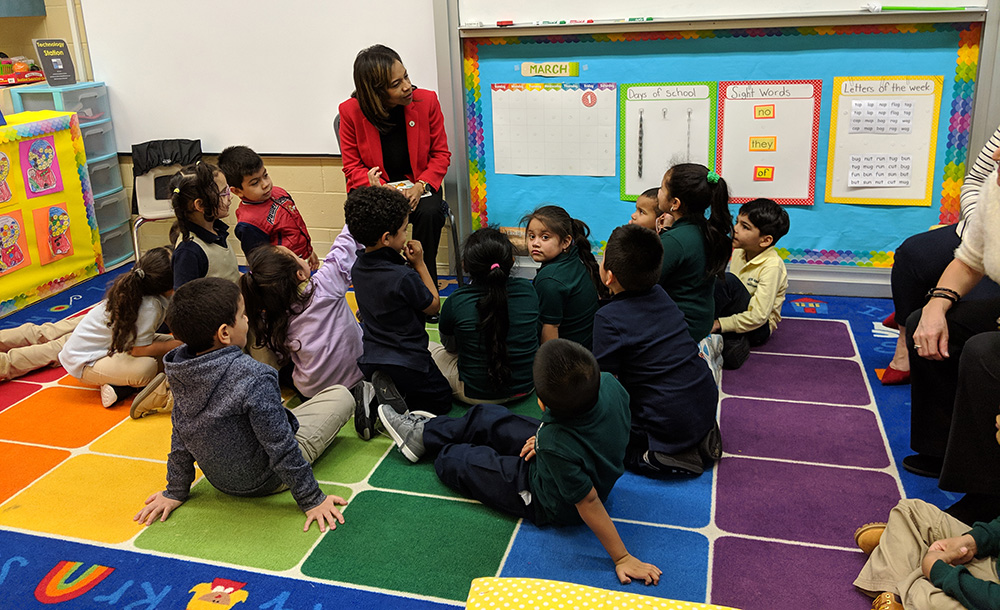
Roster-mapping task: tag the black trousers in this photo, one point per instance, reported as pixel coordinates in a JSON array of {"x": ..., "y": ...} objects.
[
  {"x": 478, "y": 455},
  {"x": 422, "y": 391},
  {"x": 918, "y": 264},
  {"x": 731, "y": 298},
  {"x": 933, "y": 383},
  {"x": 972, "y": 457},
  {"x": 428, "y": 220}
]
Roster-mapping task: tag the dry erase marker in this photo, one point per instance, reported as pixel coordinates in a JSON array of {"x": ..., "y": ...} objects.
[
  {"x": 563, "y": 22},
  {"x": 581, "y": 21},
  {"x": 501, "y": 24},
  {"x": 640, "y": 18}
]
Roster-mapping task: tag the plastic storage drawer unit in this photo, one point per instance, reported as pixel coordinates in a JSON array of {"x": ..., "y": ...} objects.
[
  {"x": 99, "y": 138},
  {"x": 112, "y": 210},
  {"x": 88, "y": 100},
  {"x": 105, "y": 175},
  {"x": 116, "y": 245}
]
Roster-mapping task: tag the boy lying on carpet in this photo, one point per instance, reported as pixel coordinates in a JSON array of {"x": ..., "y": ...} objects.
[
  {"x": 228, "y": 416},
  {"x": 571, "y": 459}
]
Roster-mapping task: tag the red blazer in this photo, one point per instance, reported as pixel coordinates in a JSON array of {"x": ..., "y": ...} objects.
[{"x": 361, "y": 145}]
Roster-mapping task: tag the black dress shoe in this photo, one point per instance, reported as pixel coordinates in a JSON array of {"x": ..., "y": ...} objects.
[{"x": 923, "y": 465}]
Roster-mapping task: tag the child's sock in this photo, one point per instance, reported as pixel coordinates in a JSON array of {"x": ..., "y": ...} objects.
[{"x": 111, "y": 394}]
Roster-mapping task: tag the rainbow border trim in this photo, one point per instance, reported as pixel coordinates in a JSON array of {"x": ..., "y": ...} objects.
[{"x": 956, "y": 151}]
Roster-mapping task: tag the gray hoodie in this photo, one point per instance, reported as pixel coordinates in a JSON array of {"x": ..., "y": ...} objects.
[{"x": 228, "y": 417}]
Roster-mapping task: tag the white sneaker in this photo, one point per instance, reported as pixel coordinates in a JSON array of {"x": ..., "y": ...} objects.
[{"x": 108, "y": 396}]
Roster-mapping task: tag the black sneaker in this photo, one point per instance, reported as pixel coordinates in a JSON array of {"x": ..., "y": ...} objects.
[
  {"x": 710, "y": 447},
  {"x": 386, "y": 392},
  {"x": 735, "y": 352},
  {"x": 686, "y": 463},
  {"x": 923, "y": 465},
  {"x": 364, "y": 410}
]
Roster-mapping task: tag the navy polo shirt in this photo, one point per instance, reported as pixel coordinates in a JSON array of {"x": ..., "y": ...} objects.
[
  {"x": 391, "y": 298},
  {"x": 189, "y": 260},
  {"x": 641, "y": 337}
]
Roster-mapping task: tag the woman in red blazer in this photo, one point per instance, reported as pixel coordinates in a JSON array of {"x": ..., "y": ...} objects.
[{"x": 391, "y": 131}]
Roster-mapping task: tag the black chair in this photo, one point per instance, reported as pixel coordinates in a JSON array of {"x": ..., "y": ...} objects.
[{"x": 445, "y": 209}]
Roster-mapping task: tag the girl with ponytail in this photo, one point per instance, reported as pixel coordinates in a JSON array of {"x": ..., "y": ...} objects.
[
  {"x": 116, "y": 345},
  {"x": 201, "y": 197},
  {"x": 696, "y": 245},
  {"x": 490, "y": 326},
  {"x": 569, "y": 281}
]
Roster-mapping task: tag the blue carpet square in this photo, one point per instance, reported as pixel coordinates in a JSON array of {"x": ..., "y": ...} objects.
[{"x": 682, "y": 502}]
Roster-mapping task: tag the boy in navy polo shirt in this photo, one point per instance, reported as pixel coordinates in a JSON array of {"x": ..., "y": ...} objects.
[
  {"x": 266, "y": 214},
  {"x": 393, "y": 299},
  {"x": 641, "y": 337},
  {"x": 559, "y": 470}
]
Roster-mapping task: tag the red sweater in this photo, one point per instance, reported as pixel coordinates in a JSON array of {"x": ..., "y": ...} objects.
[
  {"x": 274, "y": 221},
  {"x": 361, "y": 145}
]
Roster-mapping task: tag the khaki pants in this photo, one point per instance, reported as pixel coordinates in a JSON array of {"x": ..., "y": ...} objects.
[
  {"x": 33, "y": 346},
  {"x": 447, "y": 363},
  {"x": 321, "y": 418},
  {"x": 125, "y": 369},
  {"x": 895, "y": 565}
]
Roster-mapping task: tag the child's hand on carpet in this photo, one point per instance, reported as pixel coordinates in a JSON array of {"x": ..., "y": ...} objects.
[
  {"x": 325, "y": 513},
  {"x": 628, "y": 567},
  {"x": 156, "y": 505}
]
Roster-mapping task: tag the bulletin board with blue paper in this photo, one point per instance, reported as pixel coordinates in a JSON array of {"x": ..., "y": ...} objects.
[
  {"x": 48, "y": 232},
  {"x": 590, "y": 121}
]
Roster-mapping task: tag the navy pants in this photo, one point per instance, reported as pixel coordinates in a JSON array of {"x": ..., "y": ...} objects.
[
  {"x": 731, "y": 298},
  {"x": 422, "y": 391},
  {"x": 478, "y": 455}
]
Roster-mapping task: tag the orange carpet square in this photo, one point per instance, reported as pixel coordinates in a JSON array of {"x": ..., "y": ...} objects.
[
  {"x": 22, "y": 464},
  {"x": 73, "y": 382},
  {"x": 62, "y": 417}
]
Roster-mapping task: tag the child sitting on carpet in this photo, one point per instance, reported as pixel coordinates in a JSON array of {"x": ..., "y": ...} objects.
[
  {"x": 392, "y": 300},
  {"x": 228, "y": 416},
  {"x": 641, "y": 337},
  {"x": 116, "y": 345},
  {"x": 748, "y": 299},
  {"x": 647, "y": 210},
  {"x": 559, "y": 470},
  {"x": 200, "y": 198},
  {"x": 306, "y": 320}
]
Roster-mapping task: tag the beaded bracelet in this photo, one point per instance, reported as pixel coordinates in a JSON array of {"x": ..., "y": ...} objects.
[{"x": 943, "y": 293}]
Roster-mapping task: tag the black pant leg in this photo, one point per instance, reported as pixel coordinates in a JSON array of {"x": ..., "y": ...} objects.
[
  {"x": 933, "y": 383},
  {"x": 423, "y": 391},
  {"x": 972, "y": 459},
  {"x": 485, "y": 424},
  {"x": 428, "y": 220},
  {"x": 917, "y": 265},
  {"x": 731, "y": 296}
]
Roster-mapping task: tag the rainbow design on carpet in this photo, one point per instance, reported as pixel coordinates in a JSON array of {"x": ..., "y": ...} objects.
[
  {"x": 956, "y": 151},
  {"x": 59, "y": 586}
]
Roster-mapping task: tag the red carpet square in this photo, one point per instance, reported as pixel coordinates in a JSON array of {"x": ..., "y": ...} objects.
[{"x": 13, "y": 391}]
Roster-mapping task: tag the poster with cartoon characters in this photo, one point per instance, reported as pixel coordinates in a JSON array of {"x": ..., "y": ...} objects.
[
  {"x": 49, "y": 236},
  {"x": 13, "y": 243},
  {"x": 40, "y": 166},
  {"x": 52, "y": 233}
]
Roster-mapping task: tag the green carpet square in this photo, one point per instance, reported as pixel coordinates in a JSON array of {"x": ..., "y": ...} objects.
[
  {"x": 400, "y": 542},
  {"x": 349, "y": 459},
  {"x": 263, "y": 532}
]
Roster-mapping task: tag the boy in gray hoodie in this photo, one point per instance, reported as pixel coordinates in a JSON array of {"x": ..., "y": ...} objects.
[{"x": 228, "y": 415}]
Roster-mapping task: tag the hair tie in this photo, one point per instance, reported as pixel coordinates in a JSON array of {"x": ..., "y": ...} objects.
[
  {"x": 139, "y": 272},
  {"x": 712, "y": 177},
  {"x": 177, "y": 190},
  {"x": 494, "y": 266}
]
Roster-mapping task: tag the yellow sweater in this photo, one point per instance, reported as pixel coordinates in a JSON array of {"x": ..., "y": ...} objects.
[{"x": 766, "y": 281}]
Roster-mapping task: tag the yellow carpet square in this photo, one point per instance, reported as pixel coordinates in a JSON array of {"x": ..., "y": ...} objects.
[{"x": 148, "y": 438}]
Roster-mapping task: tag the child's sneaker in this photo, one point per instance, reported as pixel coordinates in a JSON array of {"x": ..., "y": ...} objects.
[
  {"x": 386, "y": 392},
  {"x": 406, "y": 429},
  {"x": 735, "y": 352},
  {"x": 686, "y": 463},
  {"x": 153, "y": 398},
  {"x": 112, "y": 394},
  {"x": 364, "y": 405}
]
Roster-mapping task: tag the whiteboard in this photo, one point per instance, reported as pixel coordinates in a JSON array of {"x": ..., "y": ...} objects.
[
  {"x": 257, "y": 72},
  {"x": 488, "y": 12}
]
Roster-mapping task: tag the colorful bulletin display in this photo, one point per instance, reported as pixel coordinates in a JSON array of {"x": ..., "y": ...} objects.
[
  {"x": 821, "y": 233},
  {"x": 661, "y": 122},
  {"x": 49, "y": 239},
  {"x": 883, "y": 136},
  {"x": 768, "y": 137},
  {"x": 554, "y": 128}
]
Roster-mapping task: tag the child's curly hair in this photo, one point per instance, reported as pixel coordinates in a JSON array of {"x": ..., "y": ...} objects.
[
  {"x": 151, "y": 275},
  {"x": 372, "y": 211}
]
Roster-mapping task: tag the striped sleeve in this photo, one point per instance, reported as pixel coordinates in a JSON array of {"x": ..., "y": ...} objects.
[{"x": 978, "y": 172}]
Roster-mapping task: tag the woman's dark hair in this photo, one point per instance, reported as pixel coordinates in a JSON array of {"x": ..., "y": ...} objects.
[
  {"x": 690, "y": 183},
  {"x": 272, "y": 297},
  {"x": 191, "y": 183},
  {"x": 488, "y": 257},
  {"x": 151, "y": 275},
  {"x": 372, "y": 75},
  {"x": 558, "y": 221}
]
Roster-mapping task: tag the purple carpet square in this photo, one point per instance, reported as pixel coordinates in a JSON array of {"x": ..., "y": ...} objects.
[
  {"x": 799, "y": 502},
  {"x": 802, "y": 378},
  {"x": 759, "y": 575},
  {"x": 812, "y": 337},
  {"x": 748, "y": 428}
]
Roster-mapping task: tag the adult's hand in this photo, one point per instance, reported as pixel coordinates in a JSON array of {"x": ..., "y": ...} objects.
[{"x": 931, "y": 336}]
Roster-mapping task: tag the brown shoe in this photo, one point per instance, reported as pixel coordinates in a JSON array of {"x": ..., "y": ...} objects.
[
  {"x": 868, "y": 536},
  {"x": 887, "y": 601}
]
